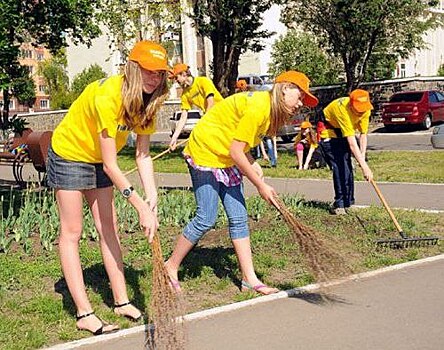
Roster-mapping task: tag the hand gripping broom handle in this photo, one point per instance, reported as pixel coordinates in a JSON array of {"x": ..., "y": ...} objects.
[
  {"x": 168, "y": 150},
  {"x": 384, "y": 202}
]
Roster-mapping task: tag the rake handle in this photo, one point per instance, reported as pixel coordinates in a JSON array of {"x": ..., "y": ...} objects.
[
  {"x": 386, "y": 206},
  {"x": 168, "y": 150}
]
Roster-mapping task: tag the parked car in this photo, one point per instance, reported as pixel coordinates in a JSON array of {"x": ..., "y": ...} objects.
[
  {"x": 437, "y": 138},
  {"x": 193, "y": 117},
  {"x": 289, "y": 131},
  {"x": 413, "y": 108},
  {"x": 255, "y": 82}
]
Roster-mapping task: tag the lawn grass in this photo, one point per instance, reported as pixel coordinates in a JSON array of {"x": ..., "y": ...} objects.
[
  {"x": 36, "y": 309},
  {"x": 391, "y": 166}
]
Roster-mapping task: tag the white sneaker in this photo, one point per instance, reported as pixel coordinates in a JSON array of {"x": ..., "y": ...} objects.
[{"x": 338, "y": 211}]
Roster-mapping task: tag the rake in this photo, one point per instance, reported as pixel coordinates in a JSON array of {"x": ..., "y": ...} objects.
[
  {"x": 405, "y": 241},
  {"x": 168, "y": 150}
]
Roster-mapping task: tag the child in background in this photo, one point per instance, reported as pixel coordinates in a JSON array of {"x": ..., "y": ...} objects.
[
  {"x": 305, "y": 140},
  {"x": 218, "y": 156}
]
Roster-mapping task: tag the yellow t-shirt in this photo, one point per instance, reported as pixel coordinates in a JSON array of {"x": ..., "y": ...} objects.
[
  {"x": 339, "y": 114},
  {"x": 243, "y": 116},
  {"x": 197, "y": 93},
  {"x": 306, "y": 139},
  {"x": 76, "y": 138}
]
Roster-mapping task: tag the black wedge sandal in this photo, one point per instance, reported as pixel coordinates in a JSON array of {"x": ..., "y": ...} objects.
[
  {"x": 98, "y": 331},
  {"x": 131, "y": 318}
]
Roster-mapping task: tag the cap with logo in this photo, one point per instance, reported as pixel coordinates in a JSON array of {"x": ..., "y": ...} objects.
[
  {"x": 301, "y": 80},
  {"x": 149, "y": 55}
]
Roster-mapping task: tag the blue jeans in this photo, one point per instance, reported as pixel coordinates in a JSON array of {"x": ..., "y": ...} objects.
[
  {"x": 338, "y": 156},
  {"x": 207, "y": 191},
  {"x": 270, "y": 150}
]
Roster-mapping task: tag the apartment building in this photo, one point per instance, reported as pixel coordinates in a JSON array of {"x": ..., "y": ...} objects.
[{"x": 30, "y": 57}]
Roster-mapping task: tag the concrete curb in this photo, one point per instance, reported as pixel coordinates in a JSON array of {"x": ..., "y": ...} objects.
[{"x": 247, "y": 303}]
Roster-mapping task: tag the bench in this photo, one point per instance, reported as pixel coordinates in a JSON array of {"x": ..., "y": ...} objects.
[
  {"x": 36, "y": 152},
  {"x": 17, "y": 159},
  {"x": 38, "y": 144}
]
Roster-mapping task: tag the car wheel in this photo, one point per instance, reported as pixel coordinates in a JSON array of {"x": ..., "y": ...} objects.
[
  {"x": 427, "y": 123},
  {"x": 287, "y": 138}
]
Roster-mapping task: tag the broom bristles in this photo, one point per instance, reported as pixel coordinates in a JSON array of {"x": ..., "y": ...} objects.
[
  {"x": 166, "y": 308},
  {"x": 324, "y": 263}
]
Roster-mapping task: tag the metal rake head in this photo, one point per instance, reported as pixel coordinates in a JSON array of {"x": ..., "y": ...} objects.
[{"x": 403, "y": 243}]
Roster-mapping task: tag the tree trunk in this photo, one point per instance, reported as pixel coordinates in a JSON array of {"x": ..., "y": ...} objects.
[{"x": 4, "y": 120}]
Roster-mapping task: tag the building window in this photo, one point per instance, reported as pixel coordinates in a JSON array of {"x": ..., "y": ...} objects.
[
  {"x": 27, "y": 53},
  {"x": 40, "y": 56},
  {"x": 44, "y": 104},
  {"x": 402, "y": 70},
  {"x": 42, "y": 88}
]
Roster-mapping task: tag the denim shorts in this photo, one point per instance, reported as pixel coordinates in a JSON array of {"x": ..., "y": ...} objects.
[{"x": 69, "y": 175}]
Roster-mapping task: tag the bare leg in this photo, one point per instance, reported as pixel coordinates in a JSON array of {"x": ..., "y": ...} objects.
[
  {"x": 243, "y": 252},
  {"x": 182, "y": 248},
  {"x": 300, "y": 154},
  {"x": 70, "y": 205},
  {"x": 101, "y": 202}
]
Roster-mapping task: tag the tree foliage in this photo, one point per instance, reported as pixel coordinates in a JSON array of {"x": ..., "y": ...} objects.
[
  {"x": 233, "y": 26},
  {"x": 354, "y": 30},
  {"x": 54, "y": 73},
  {"x": 129, "y": 21},
  {"x": 39, "y": 22},
  {"x": 441, "y": 70},
  {"x": 87, "y": 76},
  {"x": 300, "y": 51}
]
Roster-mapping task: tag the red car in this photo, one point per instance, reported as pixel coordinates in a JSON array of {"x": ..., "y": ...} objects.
[{"x": 413, "y": 107}]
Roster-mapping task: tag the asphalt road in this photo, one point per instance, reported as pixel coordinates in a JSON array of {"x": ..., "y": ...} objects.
[{"x": 418, "y": 140}]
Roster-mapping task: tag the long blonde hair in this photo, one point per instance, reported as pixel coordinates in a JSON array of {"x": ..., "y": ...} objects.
[
  {"x": 135, "y": 110},
  {"x": 280, "y": 113}
]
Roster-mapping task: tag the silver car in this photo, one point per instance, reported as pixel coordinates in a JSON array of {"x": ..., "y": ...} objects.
[
  {"x": 437, "y": 138},
  {"x": 192, "y": 119}
]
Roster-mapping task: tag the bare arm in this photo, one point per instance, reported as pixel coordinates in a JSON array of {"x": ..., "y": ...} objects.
[
  {"x": 263, "y": 153},
  {"x": 147, "y": 218},
  {"x": 179, "y": 127},
  {"x": 309, "y": 155},
  {"x": 363, "y": 144},
  {"x": 359, "y": 157},
  {"x": 146, "y": 170},
  {"x": 242, "y": 162}
]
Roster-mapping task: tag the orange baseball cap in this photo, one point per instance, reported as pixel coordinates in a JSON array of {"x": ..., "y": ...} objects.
[
  {"x": 360, "y": 100},
  {"x": 149, "y": 55},
  {"x": 306, "y": 124},
  {"x": 241, "y": 84},
  {"x": 179, "y": 68},
  {"x": 301, "y": 80}
]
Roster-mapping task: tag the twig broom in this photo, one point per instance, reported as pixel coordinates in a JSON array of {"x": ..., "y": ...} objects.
[
  {"x": 165, "y": 329},
  {"x": 324, "y": 263}
]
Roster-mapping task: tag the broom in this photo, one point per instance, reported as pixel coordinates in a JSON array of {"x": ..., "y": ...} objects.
[
  {"x": 167, "y": 331},
  {"x": 405, "y": 241},
  {"x": 324, "y": 263}
]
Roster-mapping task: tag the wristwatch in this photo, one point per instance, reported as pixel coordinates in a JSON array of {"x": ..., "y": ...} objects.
[{"x": 126, "y": 192}]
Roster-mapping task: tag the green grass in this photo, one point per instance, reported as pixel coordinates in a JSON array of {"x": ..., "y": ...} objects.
[
  {"x": 36, "y": 309},
  {"x": 392, "y": 166}
]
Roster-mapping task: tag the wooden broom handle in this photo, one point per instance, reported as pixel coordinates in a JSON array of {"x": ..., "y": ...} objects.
[
  {"x": 384, "y": 202},
  {"x": 168, "y": 150}
]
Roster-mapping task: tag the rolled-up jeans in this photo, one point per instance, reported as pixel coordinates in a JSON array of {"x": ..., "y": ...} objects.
[{"x": 207, "y": 191}]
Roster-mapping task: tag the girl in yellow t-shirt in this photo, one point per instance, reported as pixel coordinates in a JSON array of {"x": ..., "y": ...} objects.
[
  {"x": 306, "y": 139},
  {"x": 82, "y": 162},
  {"x": 218, "y": 155}
]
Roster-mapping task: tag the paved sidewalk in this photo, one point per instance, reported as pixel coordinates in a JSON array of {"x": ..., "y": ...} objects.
[
  {"x": 399, "y": 307},
  {"x": 398, "y": 195}
]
